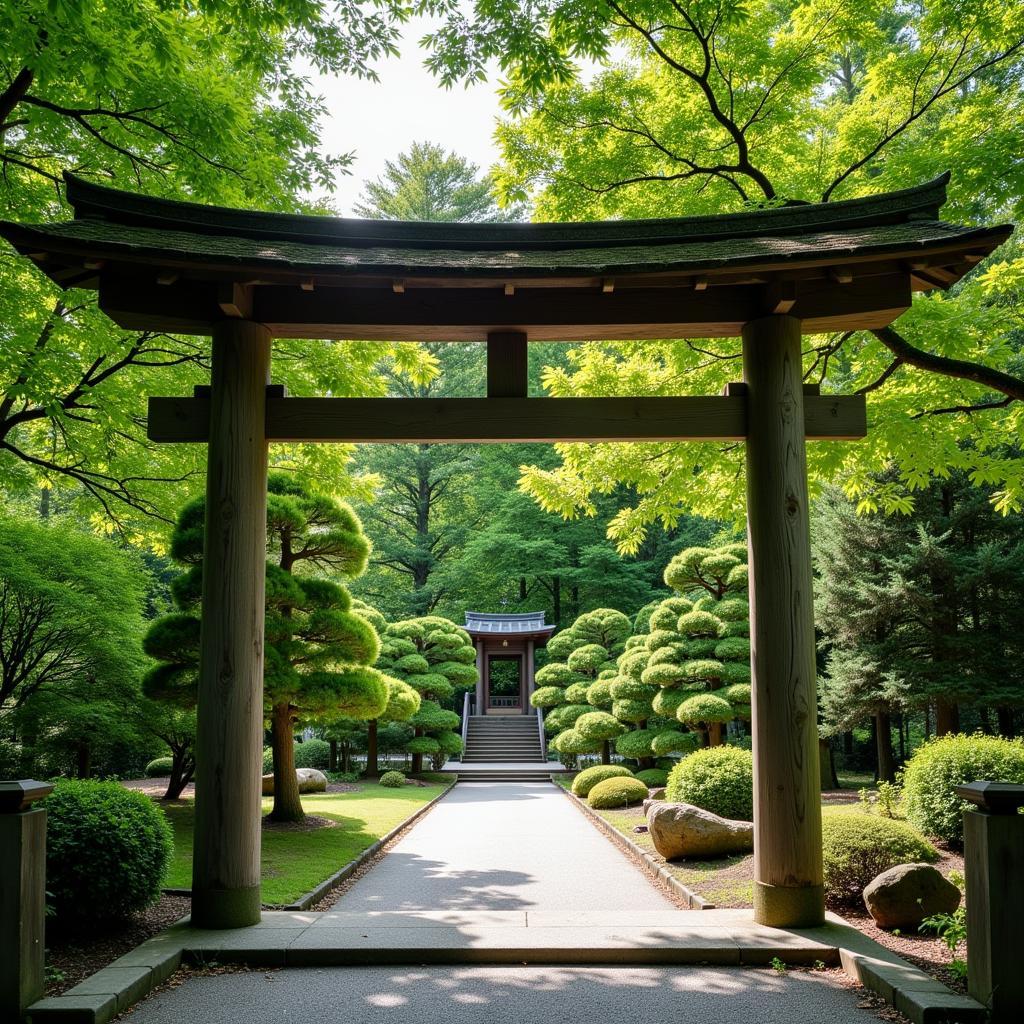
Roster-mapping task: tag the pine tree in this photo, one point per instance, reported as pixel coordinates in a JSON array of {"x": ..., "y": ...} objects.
[{"x": 318, "y": 651}]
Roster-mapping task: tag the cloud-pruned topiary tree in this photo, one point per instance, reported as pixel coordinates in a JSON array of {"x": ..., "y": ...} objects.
[
  {"x": 436, "y": 658},
  {"x": 318, "y": 649},
  {"x": 574, "y": 690},
  {"x": 697, "y": 652}
]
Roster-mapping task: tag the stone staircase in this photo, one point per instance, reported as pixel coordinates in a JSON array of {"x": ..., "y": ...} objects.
[{"x": 506, "y": 742}]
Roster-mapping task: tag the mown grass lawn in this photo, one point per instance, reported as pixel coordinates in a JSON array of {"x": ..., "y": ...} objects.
[{"x": 294, "y": 862}]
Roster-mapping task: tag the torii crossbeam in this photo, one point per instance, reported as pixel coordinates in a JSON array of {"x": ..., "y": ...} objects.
[{"x": 246, "y": 277}]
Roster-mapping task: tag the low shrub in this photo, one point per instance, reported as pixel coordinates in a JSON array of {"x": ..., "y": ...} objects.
[
  {"x": 313, "y": 754},
  {"x": 107, "y": 850},
  {"x": 268, "y": 760},
  {"x": 653, "y": 777},
  {"x": 159, "y": 767},
  {"x": 937, "y": 768},
  {"x": 392, "y": 780},
  {"x": 617, "y": 792},
  {"x": 590, "y": 777},
  {"x": 719, "y": 779},
  {"x": 857, "y": 847}
]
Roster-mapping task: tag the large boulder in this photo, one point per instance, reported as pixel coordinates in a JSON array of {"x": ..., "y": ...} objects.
[
  {"x": 682, "y": 830},
  {"x": 310, "y": 781},
  {"x": 905, "y": 895}
]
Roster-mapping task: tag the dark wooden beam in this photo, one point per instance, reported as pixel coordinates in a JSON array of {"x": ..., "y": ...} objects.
[
  {"x": 470, "y": 314},
  {"x": 507, "y": 370},
  {"x": 498, "y": 420}
]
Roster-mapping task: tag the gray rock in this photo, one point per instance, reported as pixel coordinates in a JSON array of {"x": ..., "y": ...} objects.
[
  {"x": 905, "y": 895},
  {"x": 658, "y": 793},
  {"x": 682, "y": 830},
  {"x": 310, "y": 781}
]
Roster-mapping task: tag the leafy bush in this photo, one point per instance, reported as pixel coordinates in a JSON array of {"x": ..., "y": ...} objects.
[
  {"x": 392, "y": 780},
  {"x": 590, "y": 777},
  {"x": 636, "y": 743},
  {"x": 858, "y": 847},
  {"x": 268, "y": 760},
  {"x": 107, "y": 850},
  {"x": 719, "y": 779},
  {"x": 313, "y": 754},
  {"x": 617, "y": 792},
  {"x": 653, "y": 777},
  {"x": 159, "y": 767},
  {"x": 937, "y": 768}
]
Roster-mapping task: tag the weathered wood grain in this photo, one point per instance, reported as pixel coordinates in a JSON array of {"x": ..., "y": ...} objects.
[
  {"x": 787, "y": 811},
  {"x": 498, "y": 420},
  {"x": 229, "y": 743}
]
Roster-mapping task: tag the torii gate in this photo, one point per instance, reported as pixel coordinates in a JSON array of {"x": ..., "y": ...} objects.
[{"x": 246, "y": 277}]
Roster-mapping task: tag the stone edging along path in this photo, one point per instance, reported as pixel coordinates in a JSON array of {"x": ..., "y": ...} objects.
[
  {"x": 317, "y": 893},
  {"x": 646, "y": 861}
]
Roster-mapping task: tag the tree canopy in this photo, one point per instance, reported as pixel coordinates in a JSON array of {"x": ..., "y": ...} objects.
[
  {"x": 202, "y": 102},
  {"x": 703, "y": 106}
]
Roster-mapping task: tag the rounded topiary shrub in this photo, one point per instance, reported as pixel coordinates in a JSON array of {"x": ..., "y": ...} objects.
[
  {"x": 107, "y": 850},
  {"x": 159, "y": 767},
  {"x": 590, "y": 777},
  {"x": 858, "y": 847},
  {"x": 392, "y": 780},
  {"x": 653, "y": 777},
  {"x": 617, "y": 792},
  {"x": 719, "y": 779},
  {"x": 937, "y": 768},
  {"x": 313, "y": 754}
]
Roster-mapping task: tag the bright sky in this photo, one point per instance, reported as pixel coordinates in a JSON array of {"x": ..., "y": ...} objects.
[{"x": 379, "y": 120}]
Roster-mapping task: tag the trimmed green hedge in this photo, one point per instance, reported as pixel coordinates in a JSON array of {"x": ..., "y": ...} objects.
[
  {"x": 590, "y": 777},
  {"x": 617, "y": 792},
  {"x": 858, "y": 847},
  {"x": 719, "y": 779},
  {"x": 653, "y": 777},
  {"x": 937, "y": 768},
  {"x": 107, "y": 850},
  {"x": 313, "y": 754},
  {"x": 159, "y": 767},
  {"x": 392, "y": 780}
]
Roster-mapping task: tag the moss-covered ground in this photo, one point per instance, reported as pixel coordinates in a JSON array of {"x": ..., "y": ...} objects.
[{"x": 295, "y": 861}]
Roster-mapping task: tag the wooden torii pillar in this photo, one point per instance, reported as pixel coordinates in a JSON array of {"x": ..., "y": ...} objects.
[
  {"x": 245, "y": 277},
  {"x": 788, "y": 880}
]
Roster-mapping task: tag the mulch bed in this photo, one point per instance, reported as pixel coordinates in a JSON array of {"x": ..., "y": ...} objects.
[
  {"x": 310, "y": 823},
  {"x": 72, "y": 955}
]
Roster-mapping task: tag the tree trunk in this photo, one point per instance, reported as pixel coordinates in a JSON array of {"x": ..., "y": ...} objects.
[
  {"x": 83, "y": 760},
  {"x": 287, "y": 803},
  {"x": 947, "y": 718},
  {"x": 1004, "y": 716},
  {"x": 986, "y": 721},
  {"x": 715, "y": 734},
  {"x": 333, "y": 758},
  {"x": 901, "y": 721},
  {"x": 848, "y": 744},
  {"x": 182, "y": 769},
  {"x": 826, "y": 765},
  {"x": 606, "y": 752},
  {"x": 883, "y": 743},
  {"x": 417, "y": 764},
  {"x": 372, "y": 771}
]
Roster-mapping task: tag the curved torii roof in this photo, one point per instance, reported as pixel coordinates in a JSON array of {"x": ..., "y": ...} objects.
[
  {"x": 177, "y": 266},
  {"x": 523, "y": 625}
]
